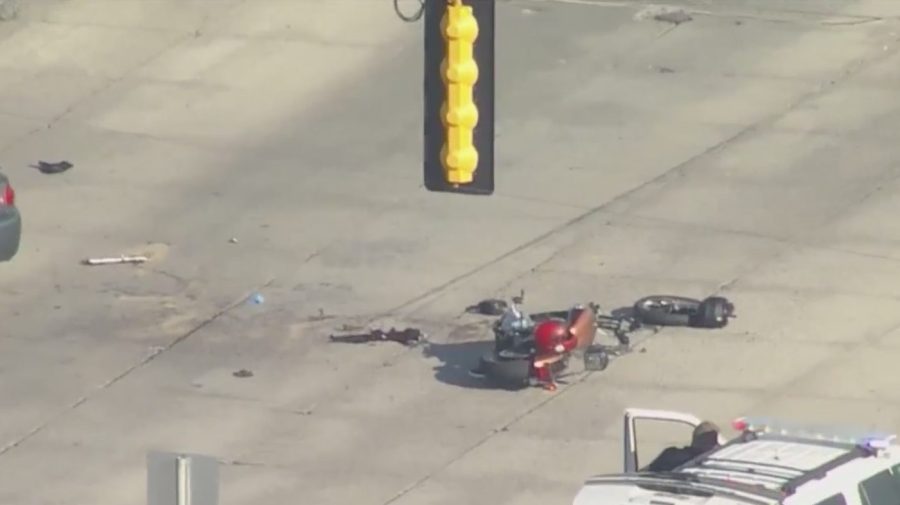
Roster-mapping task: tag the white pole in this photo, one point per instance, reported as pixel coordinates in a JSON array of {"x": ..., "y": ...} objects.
[{"x": 184, "y": 480}]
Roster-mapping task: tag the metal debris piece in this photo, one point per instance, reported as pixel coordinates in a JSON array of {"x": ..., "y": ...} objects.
[
  {"x": 116, "y": 260},
  {"x": 58, "y": 167},
  {"x": 243, "y": 373},
  {"x": 233, "y": 240},
  {"x": 408, "y": 337}
]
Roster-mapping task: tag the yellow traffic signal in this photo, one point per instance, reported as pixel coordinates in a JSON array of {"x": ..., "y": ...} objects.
[
  {"x": 459, "y": 95},
  {"x": 459, "y": 72}
]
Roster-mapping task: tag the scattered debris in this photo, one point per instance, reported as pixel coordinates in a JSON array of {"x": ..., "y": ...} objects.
[
  {"x": 233, "y": 240},
  {"x": 52, "y": 168},
  {"x": 490, "y": 307},
  {"x": 663, "y": 70},
  {"x": 675, "y": 18},
  {"x": 664, "y": 13},
  {"x": 243, "y": 373},
  {"x": 155, "y": 252},
  {"x": 116, "y": 260},
  {"x": 257, "y": 299},
  {"x": 408, "y": 337}
]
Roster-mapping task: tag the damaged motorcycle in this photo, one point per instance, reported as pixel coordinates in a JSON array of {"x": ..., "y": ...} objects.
[{"x": 525, "y": 343}]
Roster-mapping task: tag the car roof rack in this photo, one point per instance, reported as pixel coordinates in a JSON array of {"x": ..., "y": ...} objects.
[
  {"x": 791, "y": 486},
  {"x": 779, "y": 480},
  {"x": 674, "y": 481}
]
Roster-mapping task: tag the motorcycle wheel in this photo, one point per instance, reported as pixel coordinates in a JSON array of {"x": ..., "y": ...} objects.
[
  {"x": 713, "y": 313},
  {"x": 506, "y": 373}
]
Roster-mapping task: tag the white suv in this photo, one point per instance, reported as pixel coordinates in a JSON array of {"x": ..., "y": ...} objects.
[{"x": 768, "y": 463}]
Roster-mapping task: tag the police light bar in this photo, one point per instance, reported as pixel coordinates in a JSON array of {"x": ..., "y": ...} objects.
[{"x": 761, "y": 425}]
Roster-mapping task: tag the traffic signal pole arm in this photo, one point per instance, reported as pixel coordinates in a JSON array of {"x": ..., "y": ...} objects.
[{"x": 459, "y": 94}]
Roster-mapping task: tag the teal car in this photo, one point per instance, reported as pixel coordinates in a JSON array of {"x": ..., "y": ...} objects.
[{"x": 10, "y": 221}]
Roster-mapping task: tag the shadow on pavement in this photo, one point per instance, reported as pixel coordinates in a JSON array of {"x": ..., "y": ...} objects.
[
  {"x": 456, "y": 359},
  {"x": 623, "y": 312}
]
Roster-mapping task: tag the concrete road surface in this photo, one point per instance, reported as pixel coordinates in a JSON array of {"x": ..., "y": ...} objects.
[{"x": 751, "y": 151}]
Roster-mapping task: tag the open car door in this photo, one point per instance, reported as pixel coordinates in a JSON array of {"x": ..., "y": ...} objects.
[{"x": 630, "y": 431}]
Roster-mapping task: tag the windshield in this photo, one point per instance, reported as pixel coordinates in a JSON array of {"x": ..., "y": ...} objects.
[{"x": 515, "y": 319}]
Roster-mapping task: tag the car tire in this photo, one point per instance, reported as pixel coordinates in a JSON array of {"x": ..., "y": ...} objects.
[{"x": 648, "y": 312}]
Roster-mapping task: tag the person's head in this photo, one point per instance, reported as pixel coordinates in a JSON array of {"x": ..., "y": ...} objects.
[{"x": 705, "y": 436}]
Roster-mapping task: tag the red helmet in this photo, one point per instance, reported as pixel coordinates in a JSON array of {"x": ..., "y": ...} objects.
[{"x": 549, "y": 334}]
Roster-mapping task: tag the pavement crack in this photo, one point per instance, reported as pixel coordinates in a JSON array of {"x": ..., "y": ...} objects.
[
  {"x": 137, "y": 366},
  {"x": 180, "y": 281},
  {"x": 770, "y": 15},
  {"x": 851, "y": 22}
]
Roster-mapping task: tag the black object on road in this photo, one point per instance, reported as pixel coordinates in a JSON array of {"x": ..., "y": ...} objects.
[
  {"x": 675, "y": 17},
  {"x": 53, "y": 168},
  {"x": 491, "y": 307},
  {"x": 408, "y": 336},
  {"x": 670, "y": 310}
]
